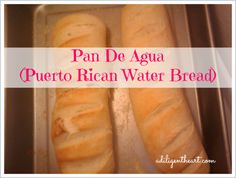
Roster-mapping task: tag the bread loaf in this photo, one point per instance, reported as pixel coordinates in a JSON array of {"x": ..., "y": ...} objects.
[
  {"x": 162, "y": 114},
  {"x": 81, "y": 126}
]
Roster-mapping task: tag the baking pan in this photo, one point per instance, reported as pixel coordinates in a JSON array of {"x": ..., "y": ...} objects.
[
  {"x": 131, "y": 154},
  {"x": 193, "y": 25}
]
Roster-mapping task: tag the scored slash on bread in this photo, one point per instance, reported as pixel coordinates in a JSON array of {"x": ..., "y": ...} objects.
[
  {"x": 81, "y": 125},
  {"x": 79, "y": 30}
]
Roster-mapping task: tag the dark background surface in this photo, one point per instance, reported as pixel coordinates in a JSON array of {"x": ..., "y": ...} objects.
[{"x": 19, "y": 101}]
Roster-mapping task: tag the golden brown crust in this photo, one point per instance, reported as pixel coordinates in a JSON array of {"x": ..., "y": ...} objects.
[
  {"x": 146, "y": 26},
  {"x": 79, "y": 30},
  {"x": 162, "y": 114},
  {"x": 81, "y": 126}
]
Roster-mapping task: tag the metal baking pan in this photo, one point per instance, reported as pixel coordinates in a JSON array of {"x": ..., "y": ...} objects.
[
  {"x": 131, "y": 154},
  {"x": 190, "y": 29}
]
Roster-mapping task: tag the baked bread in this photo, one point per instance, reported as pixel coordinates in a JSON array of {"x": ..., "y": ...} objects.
[
  {"x": 162, "y": 114},
  {"x": 81, "y": 126}
]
